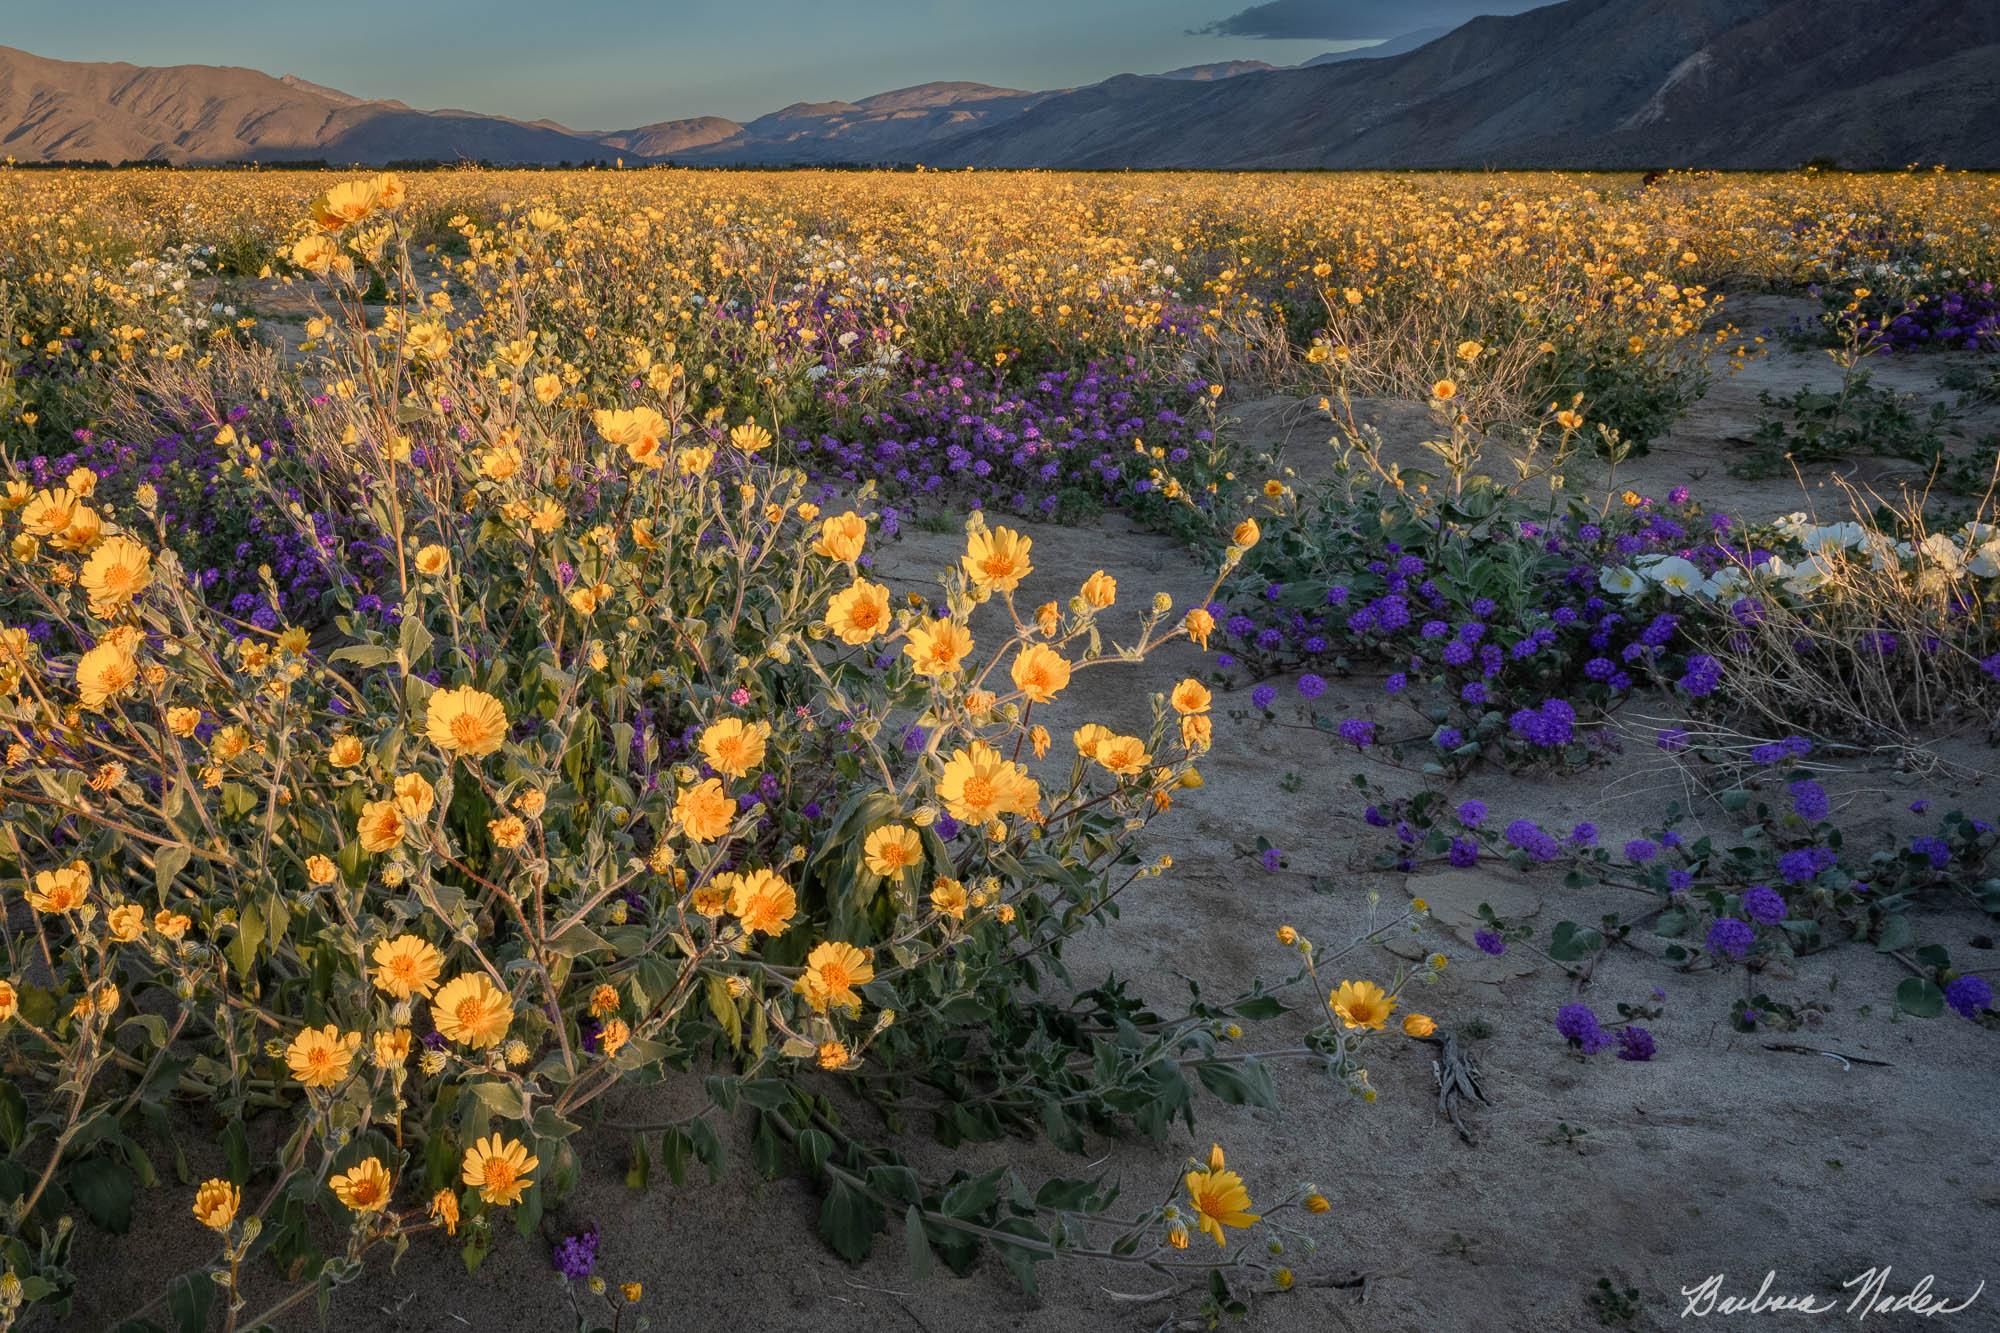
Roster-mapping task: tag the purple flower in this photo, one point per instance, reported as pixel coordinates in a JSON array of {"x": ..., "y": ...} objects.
[
  {"x": 1703, "y": 674},
  {"x": 1489, "y": 942},
  {"x": 1635, "y": 1043},
  {"x": 1529, "y": 837},
  {"x": 1730, "y": 937},
  {"x": 576, "y": 1255},
  {"x": 1809, "y": 800},
  {"x": 1263, "y": 697},
  {"x": 1357, "y": 732},
  {"x": 1764, "y": 904},
  {"x": 1937, "y": 849},
  {"x": 1272, "y": 858},
  {"x": 1803, "y": 865},
  {"x": 1968, "y": 995},
  {"x": 1472, "y": 813},
  {"x": 1464, "y": 853},
  {"x": 1578, "y": 1026},
  {"x": 1311, "y": 686},
  {"x": 1641, "y": 850}
]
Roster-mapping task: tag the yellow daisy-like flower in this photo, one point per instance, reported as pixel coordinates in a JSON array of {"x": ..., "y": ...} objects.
[
  {"x": 892, "y": 849},
  {"x": 508, "y": 832},
  {"x": 472, "y": 1011},
  {"x": 1219, "y": 1198},
  {"x": 1418, "y": 1025},
  {"x": 406, "y": 966},
  {"x": 1040, "y": 673},
  {"x": 611, "y": 1038},
  {"x": 125, "y": 922},
  {"x": 750, "y": 437},
  {"x": 105, "y": 672},
  {"x": 1123, "y": 755},
  {"x": 978, "y": 785},
  {"x": 364, "y": 1187},
  {"x": 859, "y": 613},
  {"x": 841, "y": 537},
  {"x": 433, "y": 560},
  {"x": 499, "y": 1168},
  {"x": 117, "y": 571},
  {"x": 61, "y": 890},
  {"x": 1090, "y": 737},
  {"x": 320, "y": 1057},
  {"x": 391, "y": 1048},
  {"x": 948, "y": 898},
  {"x": 704, "y": 812},
  {"x": 762, "y": 901},
  {"x": 997, "y": 560},
  {"x": 415, "y": 797},
  {"x": 734, "y": 747},
  {"x": 1189, "y": 697},
  {"x": 1199, "y": 624},
  {"x": 381, "y": 826},
  {"x": 444, "y": 1211},
  {"x": 640, "y": 431},
  {"x": 465, "y": 721},
  {"x": 833, "y": 972},
  {"x": 1362, "y": 1004},
  {"x": 937, "y": 647},
  {"x": 343, "y": 205},
  {"x": 1100, "y": 590},
  {"x": 216, "y": 1204},
  {"x": 345, "y": 752}
]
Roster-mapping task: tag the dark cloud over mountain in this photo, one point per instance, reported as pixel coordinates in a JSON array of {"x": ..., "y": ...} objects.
[{"x": 1354, "y": 20}]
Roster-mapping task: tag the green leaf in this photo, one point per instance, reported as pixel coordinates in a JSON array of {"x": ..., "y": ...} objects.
[
  {"x": 707, "y": 1146},
  {"x": 415, "y": 640},
  {"x": 1896, "y": 933},
  {"x": 503, "y": 1099},
  {"x": 168, "y": 863},
  {"x": 13, "y": 1115},
  {"x": 848, "y": 1221},
  {"x": 1570, "y": 942},
  {"x": 814, "y": 1147},
  {"x": 1247, "y": 1084},
  {"x": 105, "y": 1188},
  {"x": 189, "y": 1299},
  {"x": 916, "y": 1245},
  {"x": 1920, "y": 996},
  {"x": 363, "y": 655},
  {"x": 577, "y": 941}
]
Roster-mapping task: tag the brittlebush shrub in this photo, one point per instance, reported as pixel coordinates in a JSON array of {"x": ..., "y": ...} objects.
[{"x": 638, "y": 774}]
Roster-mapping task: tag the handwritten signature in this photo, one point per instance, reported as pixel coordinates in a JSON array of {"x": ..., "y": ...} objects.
[{"x": 1871, "y": 1297}]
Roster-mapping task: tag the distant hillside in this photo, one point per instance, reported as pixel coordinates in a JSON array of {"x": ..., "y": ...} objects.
[
  {"x": 1583, "y": 83},
  {"x": 62, "y": 109},
  {"x": 1720, "y": 83}
]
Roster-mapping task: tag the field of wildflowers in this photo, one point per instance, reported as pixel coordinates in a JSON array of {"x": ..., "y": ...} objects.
[{"x": 458, "y": 675}]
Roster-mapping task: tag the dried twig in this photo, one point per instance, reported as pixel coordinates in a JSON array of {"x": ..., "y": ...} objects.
[
  {"x": 1846, "y": 1060},
  {"x": 1457, "y": 1080}
]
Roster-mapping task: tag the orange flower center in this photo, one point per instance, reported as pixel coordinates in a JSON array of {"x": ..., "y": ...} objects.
[{"x": 500, "y": 1173}]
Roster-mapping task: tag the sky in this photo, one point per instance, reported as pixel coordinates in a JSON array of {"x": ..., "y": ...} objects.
[{"x": 615, "y": 64}]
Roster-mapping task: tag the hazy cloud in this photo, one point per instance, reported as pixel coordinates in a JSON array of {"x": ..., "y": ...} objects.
[{"x": 1355, "y": 20}]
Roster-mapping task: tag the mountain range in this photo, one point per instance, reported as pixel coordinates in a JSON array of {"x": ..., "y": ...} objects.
[{"x": 1581, "y": 83}]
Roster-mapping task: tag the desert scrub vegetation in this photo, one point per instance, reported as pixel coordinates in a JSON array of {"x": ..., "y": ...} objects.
[{"x": 446, "y": 676}]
